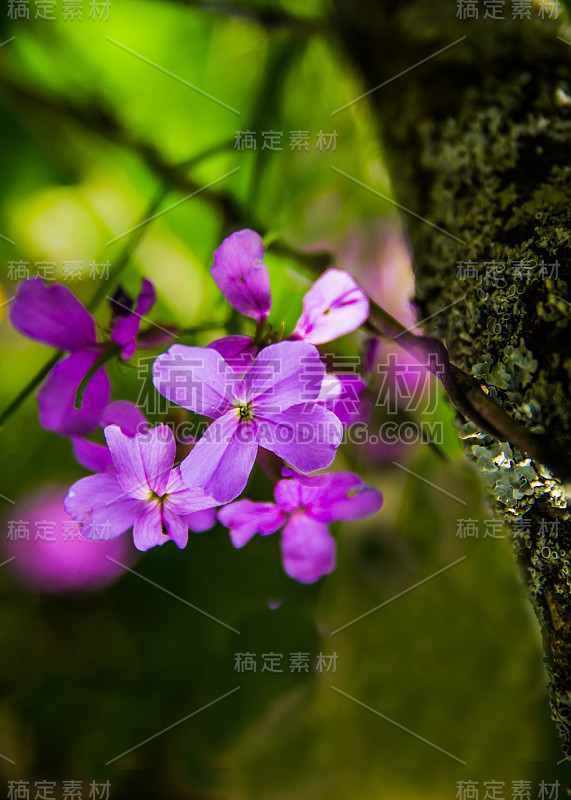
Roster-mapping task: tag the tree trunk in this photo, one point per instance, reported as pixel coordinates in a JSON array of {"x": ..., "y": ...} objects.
[{"x": 478, "y": 143}]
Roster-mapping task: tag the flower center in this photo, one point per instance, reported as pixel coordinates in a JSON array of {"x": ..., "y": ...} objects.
[{"x": 245, "y": 412}]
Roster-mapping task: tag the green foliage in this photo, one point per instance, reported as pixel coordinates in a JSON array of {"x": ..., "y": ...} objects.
[{"x": 87, "y": 677}]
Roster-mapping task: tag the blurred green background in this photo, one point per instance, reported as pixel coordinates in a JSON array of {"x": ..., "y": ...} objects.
[{"x": 92, "y": 135}]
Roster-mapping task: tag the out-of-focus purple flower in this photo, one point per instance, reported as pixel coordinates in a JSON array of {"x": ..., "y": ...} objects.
[
  {"x": 306, "y": 507},
  {"x": 273, "y": 406},
  {"x": 56, "y": 396},
  {"x": 348, "y": 403},
  {"x": 54, "y": 316},
  {"x": 50, "y": 555},
  {"x": 143, "y": 492},
  {"x": 404, "y": 380},
  {"x": 334, "y": 306},
  {"x": 127, "y": 321},
  {"x": 241, "y": 275},
  {"x": 370, "y": 354},
  {"x": 203, "y": 520},
  {"x": 246, "y": 518}
]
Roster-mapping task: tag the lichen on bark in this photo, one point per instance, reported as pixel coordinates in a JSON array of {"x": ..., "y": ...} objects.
[{"x": 478, "y": 141}]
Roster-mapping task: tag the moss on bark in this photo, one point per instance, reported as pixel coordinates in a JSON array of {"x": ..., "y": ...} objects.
[{"x": 478, "y": 140}]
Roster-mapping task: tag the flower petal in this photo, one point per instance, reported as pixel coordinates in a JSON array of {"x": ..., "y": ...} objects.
[
  {"x": 53, "y": 315},
  {"x": 334, "y": 306},
  {"x": 182, "y": 500},
  {"x": 221, "y": 462},
  {"x": 148, "y": 528},
  {"x": 288, "y": 495},
  {"x": 177, "y": 527},
  {"x": 126, "y": 328},
  {"x": 56, "y": 396},
  {"x": 241, "y": 275},
  {"x": 371, "y": 350},
  {"x": 345, "y": 497},
  {"x": 284, "y": 375},
  {"x": 306, "y": 436},
  {"x": 126, "y": 415},
  {"x": 246, "y": 518},
  {"x": 146, "y": 298},
  {"x": 348, "y": 406},
  {"x": 196, "y": 378},
  {"x": 308, "y": 549},
  {"x": 99, "y": 505},
  {"x": 200, "y": 521},
  {"x": 94, "y": 457},
  {"x": 143, "y": 462},
  {"x": 237, "y": 351},
  {"x": 307, "y": 480},
  {"x": 298, "y": 493},
  {"x": 331, "y": 389}
]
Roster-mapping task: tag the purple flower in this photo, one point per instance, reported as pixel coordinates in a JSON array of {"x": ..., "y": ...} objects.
[
  {"x": 273, "y": 406},
  {"x": 50, "y": 555},
  {"x": 143, "y": 492},
  {"x": 54, "y": 316},
  {"x": 346, "y": 399},
  {"x": 371, "y": 351},
  {"x": 332, "y": 307},
  {"x": 241, "y": 275},
  {"x": 127, "y": 321},
  {"x": 305, "y": 506}
]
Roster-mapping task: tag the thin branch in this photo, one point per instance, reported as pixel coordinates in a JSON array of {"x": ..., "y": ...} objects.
[{"x": 467, "y": 394}]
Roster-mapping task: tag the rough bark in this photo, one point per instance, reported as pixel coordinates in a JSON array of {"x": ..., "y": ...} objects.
[{"x": 478, "y": 142}]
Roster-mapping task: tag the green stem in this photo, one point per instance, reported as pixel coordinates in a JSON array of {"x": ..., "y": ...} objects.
[
  {"x": 258, "y": 336},
  {"x": 30, "y": 386},
  {"x": 106, "y": 356}
]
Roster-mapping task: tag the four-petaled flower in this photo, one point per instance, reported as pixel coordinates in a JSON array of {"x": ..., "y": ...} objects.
[
  {"x": 142, "y": 492},
  {"x": 305, "y": 506},
  {"x": 273, "y": 406},
  {"x": 54, "y": 316}
]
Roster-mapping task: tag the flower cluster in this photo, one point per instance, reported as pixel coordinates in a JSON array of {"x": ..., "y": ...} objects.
[{"x": 264, "y": 394}]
